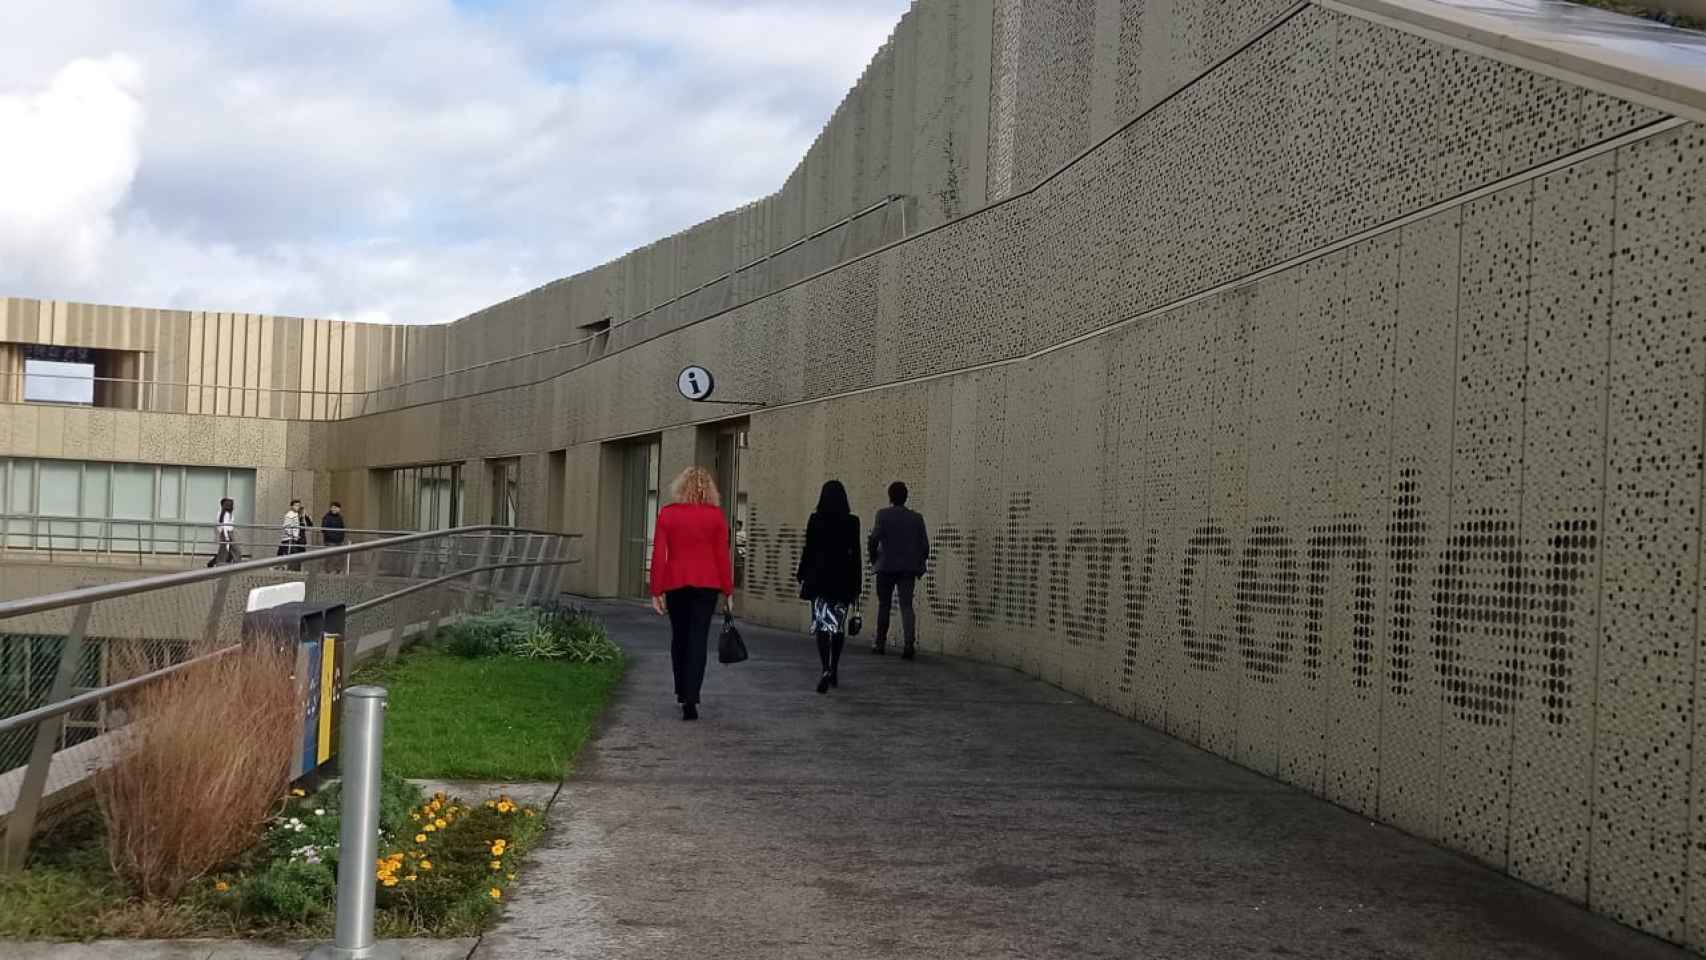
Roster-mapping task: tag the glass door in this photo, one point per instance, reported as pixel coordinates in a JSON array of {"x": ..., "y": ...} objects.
[{"x": 640, "y": 504}]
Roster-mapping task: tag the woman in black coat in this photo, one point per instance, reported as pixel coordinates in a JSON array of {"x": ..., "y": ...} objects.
[{"x": 831, "y": 576}]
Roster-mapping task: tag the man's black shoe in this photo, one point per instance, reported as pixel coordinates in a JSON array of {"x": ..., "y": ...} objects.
[{"x": 908, "y": 652}]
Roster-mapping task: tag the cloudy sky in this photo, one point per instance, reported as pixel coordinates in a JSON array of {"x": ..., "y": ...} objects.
[{"x": 396, "y": 160}]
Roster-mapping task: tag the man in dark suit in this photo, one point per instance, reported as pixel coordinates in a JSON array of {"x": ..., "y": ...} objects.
[{"x": 899, "y": 546}]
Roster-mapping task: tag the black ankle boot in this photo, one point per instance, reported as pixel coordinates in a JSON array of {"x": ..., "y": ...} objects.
[
  {"x": 690, "y": 711},
  {"x": 908, "y": 652}
]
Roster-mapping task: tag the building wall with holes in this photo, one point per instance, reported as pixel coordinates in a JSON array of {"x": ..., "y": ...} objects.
[{"x": 1340, "y": 415}]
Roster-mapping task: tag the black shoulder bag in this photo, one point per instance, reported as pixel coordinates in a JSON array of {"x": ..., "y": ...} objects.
[{"x": 730, "y": 647}]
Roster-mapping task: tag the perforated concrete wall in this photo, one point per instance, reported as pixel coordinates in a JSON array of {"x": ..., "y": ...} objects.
[{"x": 1412, "y": 525}]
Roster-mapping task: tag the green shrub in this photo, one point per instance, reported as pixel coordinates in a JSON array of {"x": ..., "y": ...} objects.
[
  {"x": 563, "y": 633},
  {"x": 538, "y": 642},
  {"x": 287, "y": 891}
]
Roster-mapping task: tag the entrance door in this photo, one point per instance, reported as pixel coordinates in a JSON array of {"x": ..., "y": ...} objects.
[
  {"x": 729, "y": 446},
  {"x": 506, "y": 491},
  {"x": 641, "y": 461}
]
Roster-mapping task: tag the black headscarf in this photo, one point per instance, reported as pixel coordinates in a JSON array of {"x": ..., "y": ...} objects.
[{"x": 833, "y": 500}]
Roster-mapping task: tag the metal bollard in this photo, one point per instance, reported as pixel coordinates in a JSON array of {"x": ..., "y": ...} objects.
[{"x": 358, "y": 840}]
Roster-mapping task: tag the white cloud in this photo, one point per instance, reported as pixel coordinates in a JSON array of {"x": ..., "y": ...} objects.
[
  {"x": 409, "y": 159},
  {"x": 73, "y": 149}
]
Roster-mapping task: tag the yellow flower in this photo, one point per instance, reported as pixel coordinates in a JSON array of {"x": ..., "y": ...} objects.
[
  {"x": 512, "y": 878},
  {"x": 497, "y": 894},
  {"x": 528, "y": 812},
  {"x": 491, "y": 803},
  {"x": 414, "y": 816},
  {"x": 497, "y": 865},
  {"x": 222, "y": 886},
  {"x": 426, "y": 864},
  {"x": 390, "y": 881},
  {"x": 429, "y": 828},
  {"x": 410, "y": 878},
  {"x": 440, "y": 824},
  {"x": 497, "y": 849},
  {"x": 299, "y": 792},
  {"x": 420, "y": 838}
]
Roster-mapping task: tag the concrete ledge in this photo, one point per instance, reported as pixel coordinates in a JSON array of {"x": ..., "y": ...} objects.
[
  {"x": 213, "y": 950},
  {"x": 1601, "y": 51}
]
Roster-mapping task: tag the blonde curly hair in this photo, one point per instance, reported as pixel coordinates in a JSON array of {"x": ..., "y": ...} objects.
[{"x": 695, "y": 485}]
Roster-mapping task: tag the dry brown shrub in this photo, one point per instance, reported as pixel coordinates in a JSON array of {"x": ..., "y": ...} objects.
[{"x": 205, "y": 757}]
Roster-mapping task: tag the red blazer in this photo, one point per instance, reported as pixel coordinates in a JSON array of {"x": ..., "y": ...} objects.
[{"x": 690, "y": 548}]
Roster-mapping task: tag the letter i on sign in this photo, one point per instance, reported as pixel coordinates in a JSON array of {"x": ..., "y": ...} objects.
[{"x": 695, "y": 382}]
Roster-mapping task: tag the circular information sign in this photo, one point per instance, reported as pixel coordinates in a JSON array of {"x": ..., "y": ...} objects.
[{"x": 695, "y": 383}]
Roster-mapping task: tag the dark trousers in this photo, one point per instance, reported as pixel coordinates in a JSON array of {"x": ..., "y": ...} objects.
[
  {"x": 690, "y": 610},
  {"x": 224, "y": 551},
  {"x": 886, "y": 584}
]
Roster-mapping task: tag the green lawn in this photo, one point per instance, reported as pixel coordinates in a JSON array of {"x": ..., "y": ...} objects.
[{"x": 489, "y": 718}]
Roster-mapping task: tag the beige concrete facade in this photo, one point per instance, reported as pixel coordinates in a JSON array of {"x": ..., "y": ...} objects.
[{"x": 1322, "y": 383}]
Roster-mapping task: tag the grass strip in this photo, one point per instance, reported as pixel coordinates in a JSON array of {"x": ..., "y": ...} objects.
[{"x": 490, "y": 718}]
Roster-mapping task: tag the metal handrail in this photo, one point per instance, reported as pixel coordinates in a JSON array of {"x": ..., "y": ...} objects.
[
  {"x": 91, "y": 697},
  {"x": 164, "y": 522},
  {"x": 126, "y": 588}
]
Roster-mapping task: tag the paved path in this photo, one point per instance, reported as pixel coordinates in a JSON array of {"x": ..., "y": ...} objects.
[{"x": 947, "y": 809}]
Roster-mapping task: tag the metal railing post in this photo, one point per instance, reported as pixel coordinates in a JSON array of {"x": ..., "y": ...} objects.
[
  {"x": 469, "y": 599},
  {"x": 372, "y": 570},
  {"x": 21, "y": 822},
  {"x": 533, "y": 577},
  {"x": 210, "y": 632},
  {"x": 548, "y": 575},
  {"x": 565, "y": 553},
  {"x": 515, "y": 588},
  {"x": 494, "y": 578},
  {"x": 359, "y": 758}
]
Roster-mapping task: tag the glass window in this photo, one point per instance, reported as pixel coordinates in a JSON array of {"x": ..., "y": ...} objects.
[
  {"x": 203, "y": 488},
  {"x": 132, "y": 499},
  {"x": 135, "y": 495},
  {"x": 21, "y": 500},
  {"x": 170, "y": 506},
  {"x": 427, "y": 497},
  {"x": 96, "y": 481},
  {"x": 52, "y": 381},
  {"x": 59, "y": 484}
]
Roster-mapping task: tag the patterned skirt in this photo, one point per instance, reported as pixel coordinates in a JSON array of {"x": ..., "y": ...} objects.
[{"x": 828, "y": 617}]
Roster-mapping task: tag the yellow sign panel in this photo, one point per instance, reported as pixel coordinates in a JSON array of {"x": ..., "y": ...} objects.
[{"x": 328, "y": 683}]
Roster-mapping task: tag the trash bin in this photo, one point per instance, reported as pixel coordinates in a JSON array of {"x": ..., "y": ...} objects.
[{"x": 317, "y": 632}]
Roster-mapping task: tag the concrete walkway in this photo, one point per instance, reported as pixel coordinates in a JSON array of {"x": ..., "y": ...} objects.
[{"x": 947, "y": 809}]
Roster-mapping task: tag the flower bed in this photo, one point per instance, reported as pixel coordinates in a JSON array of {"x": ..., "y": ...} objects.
[
  {"x": 445, "y": 863},
  {"x": 446, "y": 867}
]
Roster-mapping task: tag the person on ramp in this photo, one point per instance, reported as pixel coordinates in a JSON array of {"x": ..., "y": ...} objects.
[
  {"x": 831, "y": 576},
  {"x": 690, "y": 569},
  {"x": 900, "y": 553}
]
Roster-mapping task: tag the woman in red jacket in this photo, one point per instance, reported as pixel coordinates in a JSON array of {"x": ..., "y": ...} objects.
[{"x": 690, "y": 568}]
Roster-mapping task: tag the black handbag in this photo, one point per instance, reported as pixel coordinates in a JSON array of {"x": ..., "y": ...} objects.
[
  {"x": 855, "y": 623},
  {"x": 730, "y": 647}
]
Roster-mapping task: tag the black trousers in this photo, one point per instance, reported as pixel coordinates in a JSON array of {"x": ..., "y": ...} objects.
[
  {"x": 886, "y": 584},
  {"x": 690, "y": 611}
]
